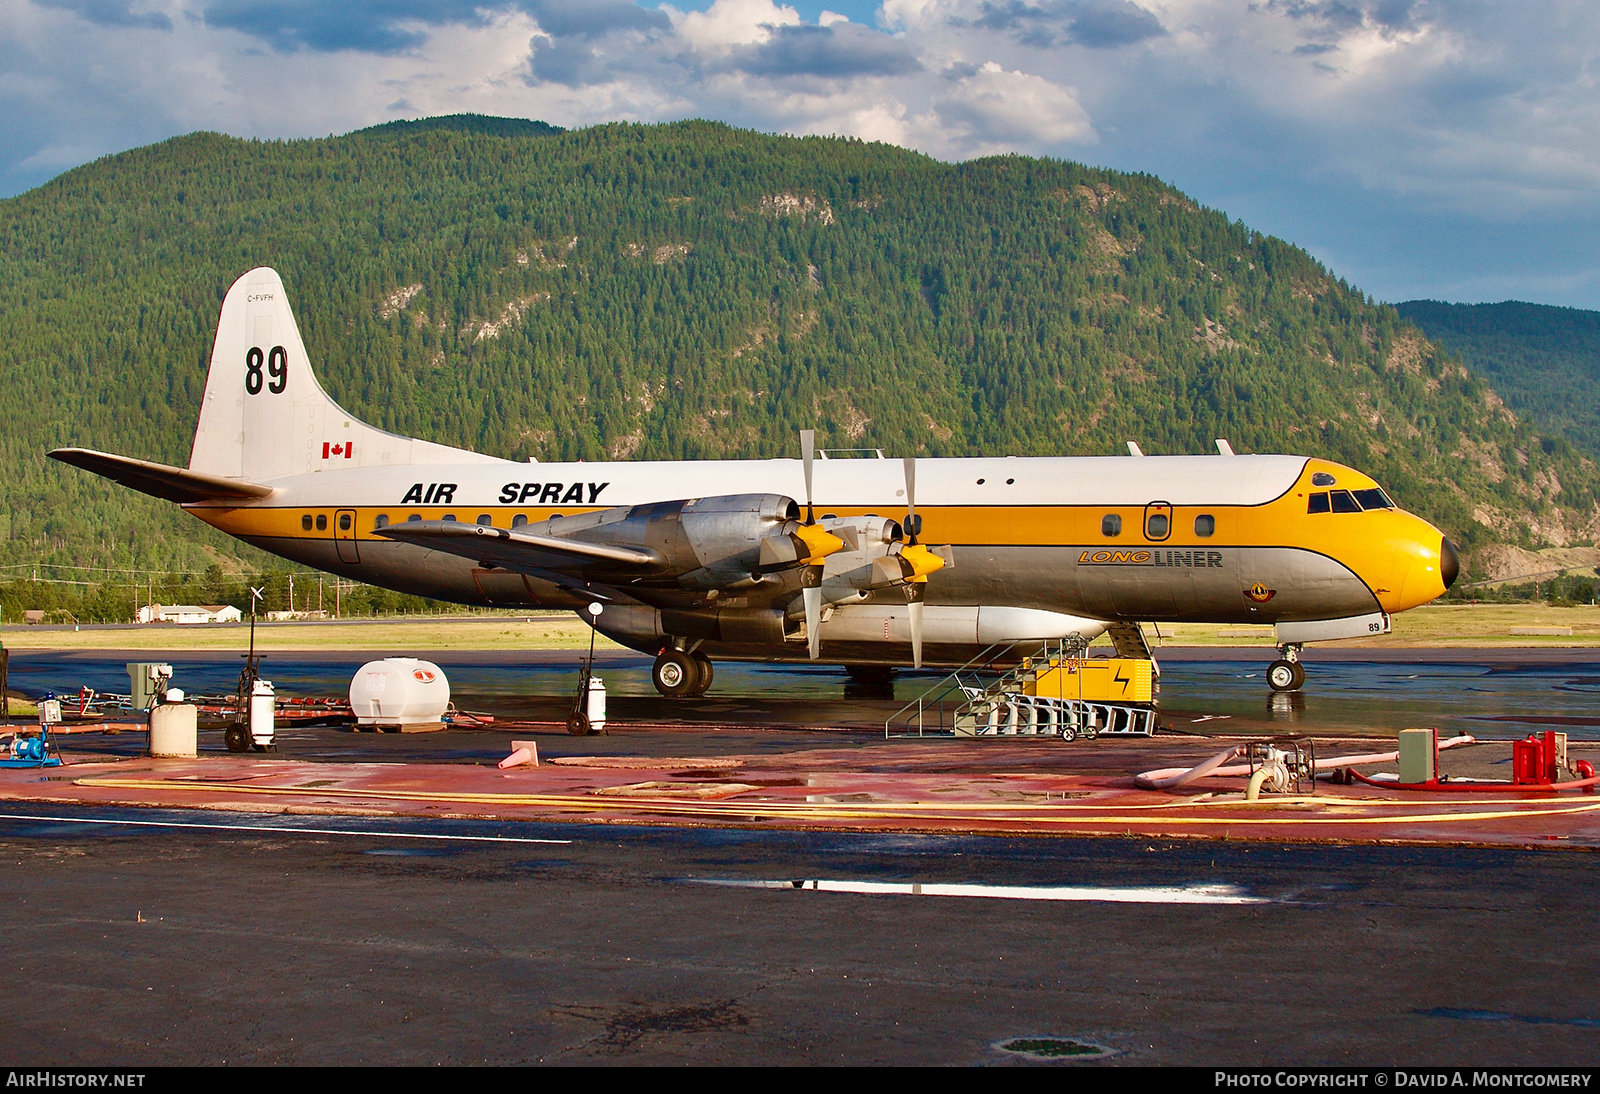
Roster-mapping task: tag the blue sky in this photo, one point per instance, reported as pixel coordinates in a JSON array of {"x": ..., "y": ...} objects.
[{"x": 1420, "y": 148}]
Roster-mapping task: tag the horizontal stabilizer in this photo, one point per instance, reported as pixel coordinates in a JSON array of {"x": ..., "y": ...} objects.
[
  {"x": 159, "y": 480},
  {"x": 523, "y": 551}
]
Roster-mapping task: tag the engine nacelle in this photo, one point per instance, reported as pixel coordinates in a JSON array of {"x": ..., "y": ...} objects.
[
  {"x": 705, "y": 543},
  {"x": 868, "y": 560}
]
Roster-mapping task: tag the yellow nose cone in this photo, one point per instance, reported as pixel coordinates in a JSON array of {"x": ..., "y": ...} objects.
[
  {"x": 1412, "y": 565},
  {"x": 1430, "y": 576}
]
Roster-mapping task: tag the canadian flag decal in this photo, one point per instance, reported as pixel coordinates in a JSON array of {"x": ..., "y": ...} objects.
[{"x": 337, "y": 450}]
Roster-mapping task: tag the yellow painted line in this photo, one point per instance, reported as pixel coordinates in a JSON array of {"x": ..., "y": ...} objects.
[{"x": 907, "y": 810}]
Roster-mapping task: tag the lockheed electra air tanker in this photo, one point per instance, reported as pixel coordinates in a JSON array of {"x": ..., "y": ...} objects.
[{"x": 923, "y": 561}]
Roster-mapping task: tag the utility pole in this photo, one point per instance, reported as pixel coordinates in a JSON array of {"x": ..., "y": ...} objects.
[{"x": 291, "y": 596}]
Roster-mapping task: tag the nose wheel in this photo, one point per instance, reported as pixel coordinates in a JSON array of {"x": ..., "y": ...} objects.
[
  {"x": 680, "y": 675},
  {"x": 1286, "y": 673}
]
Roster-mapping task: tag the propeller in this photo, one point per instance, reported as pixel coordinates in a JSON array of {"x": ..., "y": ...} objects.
[
  {"x": 916, "y": 563},
  {"x": 819, "y": 543}
]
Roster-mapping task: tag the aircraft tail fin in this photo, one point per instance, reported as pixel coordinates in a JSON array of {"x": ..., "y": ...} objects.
[{"x": 264, "y": 416}]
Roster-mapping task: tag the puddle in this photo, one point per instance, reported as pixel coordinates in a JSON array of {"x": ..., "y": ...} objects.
[
  {"x": 408, "y": 852},
  {"x": 1463, "y": 1014},
  {"x": 1055, "y": 1048},
  {"x": 1143, "y": 894}
]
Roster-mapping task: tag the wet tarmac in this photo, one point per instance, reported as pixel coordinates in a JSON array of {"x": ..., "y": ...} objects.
[
  {"x": 260, "y": 930},
  {"x": 327, "y": 940}
]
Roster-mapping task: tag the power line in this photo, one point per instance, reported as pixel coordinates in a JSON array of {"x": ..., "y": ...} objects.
[{"x": 155, "y": 573}]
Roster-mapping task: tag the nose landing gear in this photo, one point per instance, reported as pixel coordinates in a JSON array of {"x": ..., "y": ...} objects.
[{"x": 1286, "y": 673}]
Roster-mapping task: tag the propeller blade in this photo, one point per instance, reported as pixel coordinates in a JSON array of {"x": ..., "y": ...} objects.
[
  {"x": 915, "y": 609},
  {"x": 911, "y": 498},
  {"x": 813, "y": 597},
  {"x": 808, "y": 444}
]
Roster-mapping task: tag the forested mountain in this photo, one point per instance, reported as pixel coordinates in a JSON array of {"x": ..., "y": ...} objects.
[
  {"x": 1544, "y": 360},
  {"x": 692, "y": 290}
]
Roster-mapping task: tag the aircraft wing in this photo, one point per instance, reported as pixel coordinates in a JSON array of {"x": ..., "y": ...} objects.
[
  {"x": 525, "y": 551},
  {"x": 160, "y": 480}
]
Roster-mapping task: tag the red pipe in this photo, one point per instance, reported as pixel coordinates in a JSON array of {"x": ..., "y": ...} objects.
[{"x": 1479, "y": 788}]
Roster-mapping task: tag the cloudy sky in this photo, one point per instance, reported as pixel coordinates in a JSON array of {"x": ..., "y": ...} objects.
[{"x": 1422, "y": 148}]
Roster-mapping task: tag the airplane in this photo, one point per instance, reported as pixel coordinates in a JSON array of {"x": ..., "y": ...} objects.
[{"x": 727, "y": 559}]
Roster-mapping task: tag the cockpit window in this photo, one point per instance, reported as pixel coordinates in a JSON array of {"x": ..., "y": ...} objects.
[{"x": 1348, "y": 501}]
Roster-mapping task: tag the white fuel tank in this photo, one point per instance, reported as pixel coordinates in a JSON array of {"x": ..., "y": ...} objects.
[
  {"x": 399, "y": 691},
  {"x": 956, "y": 625}
]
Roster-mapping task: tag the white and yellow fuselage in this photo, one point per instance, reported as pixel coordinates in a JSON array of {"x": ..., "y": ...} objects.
[{"x": 1031, "y": 541}]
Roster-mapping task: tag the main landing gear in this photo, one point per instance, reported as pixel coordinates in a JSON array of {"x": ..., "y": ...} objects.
[
  {"x": 679, "y": 675},
  {"x": 1286, "y": 673}
]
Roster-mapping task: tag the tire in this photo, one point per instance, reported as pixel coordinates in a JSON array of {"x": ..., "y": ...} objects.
[
  {"x": 1285, "y": 675},
  {"x": 237, "y": 738},
  {"x": 705, "y": 674},
  {"x": 578, "y": 724},
  {"x": 1299, "y": 676},
  {"x": 675, "y": 674}
]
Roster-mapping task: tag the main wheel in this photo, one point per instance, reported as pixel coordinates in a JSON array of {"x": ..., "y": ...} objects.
[
  {"x": 705, "y": 674},
  {"x": 1285, "y": 676},
  {"x": 675, "y": 674},
  {"x": 237, "y": 738}
]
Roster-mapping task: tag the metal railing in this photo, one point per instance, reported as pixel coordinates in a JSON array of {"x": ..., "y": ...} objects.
[{"x": 983, "y": 699}]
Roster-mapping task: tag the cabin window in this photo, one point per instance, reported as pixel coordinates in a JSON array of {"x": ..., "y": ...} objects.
[
  {"x": 1205, "y": 525},
  {"x": 1111, "y": 525},
  {"x": 322, "y": 522},
  {"x": 485, "y": 518},
  {"x": 1317, "y": 503},
  {"x": 1373, "y": 499},
  {"x": 519, "y": 520},
  {"x": 305, "y": 523},
  {"x": 1343, "y": 502},
  {"x": 450, "y": 517},
  {"x": 1158, "y": 526},
  {"x": 380, "y": 521},
  {"x": 344, "y": 522},
  {"x": 1322, "y": 478}
]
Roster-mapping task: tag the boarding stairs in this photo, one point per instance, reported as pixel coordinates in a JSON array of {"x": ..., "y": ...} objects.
[{"x": 998, "y": 695}]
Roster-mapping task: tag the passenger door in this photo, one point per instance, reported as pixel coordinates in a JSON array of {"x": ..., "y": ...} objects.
[{"x": 344, "y": 536}]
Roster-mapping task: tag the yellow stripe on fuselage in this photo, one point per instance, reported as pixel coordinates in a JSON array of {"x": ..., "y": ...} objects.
[{"x": 1394, "y": 552}]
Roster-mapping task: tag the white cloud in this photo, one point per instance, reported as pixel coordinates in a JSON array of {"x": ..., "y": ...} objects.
[
  {"x": 997, "y": 110},
  {"x": 728, "y": 23},
  {"x": 1284, "y": 112}
]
